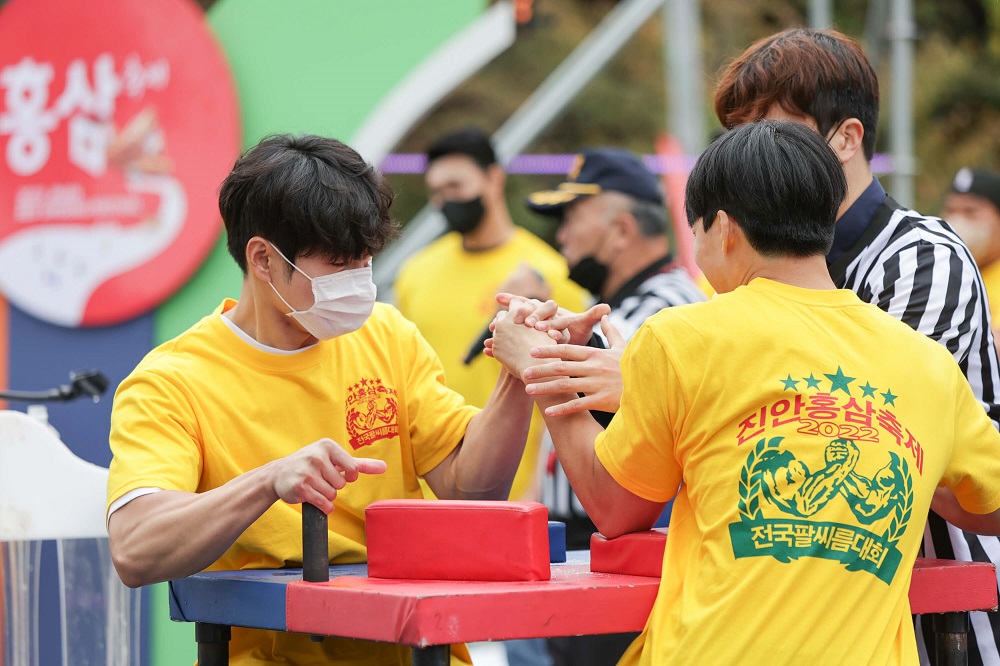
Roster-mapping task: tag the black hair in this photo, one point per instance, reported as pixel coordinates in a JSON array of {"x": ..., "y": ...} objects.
[
  {"x": 780, "y": 182},
  {"x": 471, "y": 142},
  {"x": 306, "y": 195}
]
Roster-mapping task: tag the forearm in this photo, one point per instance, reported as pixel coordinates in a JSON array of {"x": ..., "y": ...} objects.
[
  {"x": 612, "y": 508},
  {"x": 172, "y": 534},
  {"x": 573, "y": 436},
  {"x": 485, "y": 464}
]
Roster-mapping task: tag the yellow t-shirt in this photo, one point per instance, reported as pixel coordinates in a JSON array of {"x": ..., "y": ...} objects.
[
  {"x": 449, "y": 293},
  {"x": 810, "y": 431},
  {"x": 991, "y": 280},
  {"x": 205, "y": 407}
]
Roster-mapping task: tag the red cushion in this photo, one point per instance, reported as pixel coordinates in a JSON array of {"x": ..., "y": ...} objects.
[
  {"x": 637, "y": 554},
  {"x": 457, "y": 540}
]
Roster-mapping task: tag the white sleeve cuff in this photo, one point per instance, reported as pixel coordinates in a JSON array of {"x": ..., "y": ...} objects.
[{"x": 128, "y": 497}]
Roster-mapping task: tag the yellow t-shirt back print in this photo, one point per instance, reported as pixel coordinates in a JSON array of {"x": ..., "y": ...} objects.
[{"x": 803, "y": 433}]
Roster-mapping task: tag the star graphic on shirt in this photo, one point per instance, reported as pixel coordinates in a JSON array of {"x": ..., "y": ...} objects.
[
  {"x": 868, "y": 391},
  {"x": 790, "y": 384},
  {"x": 811, "y": 382},
  {"x": 839, "y": 381},
  {"x": 889, "y": 398}
]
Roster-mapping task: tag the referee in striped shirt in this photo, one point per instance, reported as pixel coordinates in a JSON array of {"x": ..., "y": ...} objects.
[{"x": 910, "y": 265}]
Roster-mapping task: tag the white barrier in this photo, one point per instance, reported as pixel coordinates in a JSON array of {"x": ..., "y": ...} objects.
[{"x": 48, "y": 493}]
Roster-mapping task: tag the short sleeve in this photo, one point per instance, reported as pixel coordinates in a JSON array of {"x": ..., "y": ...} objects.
[
  {"x": 438, "y": 415},
  {"x": 154, "y": 437},
  {"x": 973, "y": 472},
  {"x": 637, "y": 448}
]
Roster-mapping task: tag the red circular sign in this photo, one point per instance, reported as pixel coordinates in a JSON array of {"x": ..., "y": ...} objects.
[{"x": 118, "y": 121}]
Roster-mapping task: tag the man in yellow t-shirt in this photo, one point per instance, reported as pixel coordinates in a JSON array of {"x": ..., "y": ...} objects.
[
  {"x": 807, "y": 444},
  {"x": 304, "y": 390},
  {"x": 448, "y": 288},
  {"x": 972, "y": 208}
]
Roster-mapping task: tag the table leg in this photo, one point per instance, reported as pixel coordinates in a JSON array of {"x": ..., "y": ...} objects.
[
  {"x": 213, "y": 643},
  {"x": 435, "y": 655},
  {"x": 951, "y": 638}
]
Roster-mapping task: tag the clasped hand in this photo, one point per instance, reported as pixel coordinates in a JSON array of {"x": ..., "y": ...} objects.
[{"x": 544, "y": 346}]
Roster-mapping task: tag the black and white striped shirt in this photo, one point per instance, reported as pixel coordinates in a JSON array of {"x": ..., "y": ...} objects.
[
  {"x": 659, "y": 285},
  {"x": 915, "y": 268}
]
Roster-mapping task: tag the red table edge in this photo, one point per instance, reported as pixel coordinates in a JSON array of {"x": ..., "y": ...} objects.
[
  {"x": 407, "y": 613},
  {"x": 458, "y": 612}
]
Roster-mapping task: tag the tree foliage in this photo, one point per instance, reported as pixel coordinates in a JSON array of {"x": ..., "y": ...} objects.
[{"x": 956, "y": 99}]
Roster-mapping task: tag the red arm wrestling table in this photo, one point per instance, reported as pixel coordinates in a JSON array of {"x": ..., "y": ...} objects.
[{"x": 430, "y": 615}]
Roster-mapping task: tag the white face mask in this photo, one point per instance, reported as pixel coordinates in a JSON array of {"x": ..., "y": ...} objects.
[
  {"x": 976, "y": 236},
  {"x": 342, "y": 302}
]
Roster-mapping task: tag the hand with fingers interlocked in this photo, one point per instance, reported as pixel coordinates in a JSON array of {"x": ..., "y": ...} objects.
[
  {"x": 560, "y": 324},
  {"x": 592, "y": 375}
]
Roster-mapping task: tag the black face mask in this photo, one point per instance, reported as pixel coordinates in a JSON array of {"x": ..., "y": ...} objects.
[
  {"x": 463, "y": 216},
  {"x": 590, "y": 274}
]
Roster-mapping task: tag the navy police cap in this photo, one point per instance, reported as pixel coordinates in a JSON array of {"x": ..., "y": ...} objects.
[{"x": 597, "y": 170}]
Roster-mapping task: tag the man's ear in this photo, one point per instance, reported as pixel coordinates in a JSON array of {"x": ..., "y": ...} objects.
[
  {"x": 626, "y": 226},
  {"x": 259, "y": 254},
  {"x": 727, "y": 231},
  {"x": 847, "y": 140}
]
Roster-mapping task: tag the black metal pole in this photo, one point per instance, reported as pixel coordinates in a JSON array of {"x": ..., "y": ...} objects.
[
  {"x": 951, "y": 638},
  {"x": 435, "y": 655},
  {"x": 213, "y": 643},
  {"x": 315, "y": 545}
]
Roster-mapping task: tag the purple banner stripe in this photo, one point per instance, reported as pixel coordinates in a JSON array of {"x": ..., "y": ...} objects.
[{"x": 559, "y": 164}]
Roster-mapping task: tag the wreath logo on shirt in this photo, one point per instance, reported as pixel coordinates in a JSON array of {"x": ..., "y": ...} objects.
[
  {"x": 773, "y": 478},
  {"x": 371, "y": 409}
]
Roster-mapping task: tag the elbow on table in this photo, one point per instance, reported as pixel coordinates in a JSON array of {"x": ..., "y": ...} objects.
[
  {"x": 622, "y": 514},
  {"x": 613, "y": 526},
  {"x": 128, "y": 572},
  {"x": 134, "y": 567},
  {"x": 613, "y": 531}
]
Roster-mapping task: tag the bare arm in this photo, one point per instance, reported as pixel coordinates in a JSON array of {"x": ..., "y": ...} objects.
[
  {"x": 946, "y": 505},
  {"x": 172, "y": 534},
  {"x": 614, "y": 509},
  {"x": 484, "y": 464}
]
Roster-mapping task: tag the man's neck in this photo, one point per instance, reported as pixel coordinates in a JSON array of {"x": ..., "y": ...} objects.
[
  {"x": 632, "y": 262},
  {"x": 859, "y": 176},
  {"x": 255, "y": 316},
  {"x": 495, "y": 229},
  {"x": 804, "y": 272}
]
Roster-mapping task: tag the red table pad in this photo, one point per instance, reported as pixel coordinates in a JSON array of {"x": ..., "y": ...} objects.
[
  {"x": 457, "y": 540},
  {"x": 636, "y": 554}
]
